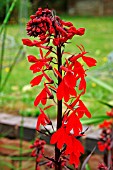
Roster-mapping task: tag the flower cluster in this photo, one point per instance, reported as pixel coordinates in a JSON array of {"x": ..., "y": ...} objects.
[
  {"x": 38, "y": 150},
  {"x": 67, "y": 135},
  {"x": 102, "y": 167},
  {"x": 45, "y": 25},
  {"x": 106, "y": 141},
  {"x": 63, "y": 80}
]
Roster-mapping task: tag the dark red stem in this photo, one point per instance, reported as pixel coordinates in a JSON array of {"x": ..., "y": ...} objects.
[{"x": 59, "y": 109}]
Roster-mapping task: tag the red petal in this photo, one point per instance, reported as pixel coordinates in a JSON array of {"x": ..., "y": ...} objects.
[
  {"x": 89, "y": 61},
  {"x": 36, "y": 67},
  {"x": 57, "y": 72},
  {"x": 70, "y": 80},
  {"x": 60, "y": 91},
  {"x": 82, "y": 110},
  {"x": 41, "y": 53},
  {"x": 55, "y": 136},
  {"x": 36, "y": 80},
  {"x": 44, "y": 97},
  {"x": 47, "y": 53},
  {"x": 66, "y": 93},
  {"x": 47, "y": 107},
  {"x": 80, "y": 31},
  {"x": 82, "y": 85},
  {"x": 32, "y": 59},
  {"x": 41, "y": 97},
  {"x": 27, "y": 42},
  {"x": 72, "y": 92}
]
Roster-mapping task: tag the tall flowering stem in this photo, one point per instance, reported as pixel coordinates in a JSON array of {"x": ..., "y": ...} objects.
[
  {"x": 63, "y": 82},
  {"x": 59, "y": 108}
]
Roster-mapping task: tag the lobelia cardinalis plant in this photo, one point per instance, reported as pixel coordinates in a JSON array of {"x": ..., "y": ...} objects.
[{"x": 62, "y": 77}]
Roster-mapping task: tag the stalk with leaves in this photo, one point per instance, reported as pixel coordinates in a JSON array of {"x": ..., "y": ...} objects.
[{"x": 62, "y": 77}]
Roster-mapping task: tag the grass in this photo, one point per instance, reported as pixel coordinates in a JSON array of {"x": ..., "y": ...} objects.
[{"x": 18, "y": 97}]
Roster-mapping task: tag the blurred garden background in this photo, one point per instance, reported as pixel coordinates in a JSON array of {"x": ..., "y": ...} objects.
[{"x": 16, "y": 94}]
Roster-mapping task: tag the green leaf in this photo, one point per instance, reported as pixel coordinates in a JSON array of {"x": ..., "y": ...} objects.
[
  {"x": 94, "y": 120},
  {"x": 3, "y": 163},
  {"x": 101, "y": 83},
  {"x": 105, "y": 103}
]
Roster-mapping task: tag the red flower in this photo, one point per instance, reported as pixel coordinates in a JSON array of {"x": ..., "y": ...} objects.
[
  {"x": 65, "y": 91},
  {"x": 105, "y": 124},
  {"x": 66, "y": 87},
  {"x": 46, "y": 26},
  {"x": 36, "y": 43},
  {"x": 73, "y": 147},
  {"x": 39, "y": 64},
  {"x": 42, "y": 97},
  {"x": 27, "y": 42},
  {"x": 71, "y": 126},
  {"x": 101, "y": 146},
  {"x": 110, "y": 113},
  {"x": 80, "y": 109},
  {"x": 105, "y": 141},
  {"x": 102, "y": 167},
  {"x": 80, "y": 31},
  {"x": 88, "y": 60},
  {"x": 66, "y": 135},
  {"x": 42, "y": 120}
]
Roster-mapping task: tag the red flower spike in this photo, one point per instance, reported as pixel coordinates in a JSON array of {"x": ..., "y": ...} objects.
[
  {"x": 42, "y": 120},
  {"x": 49, "y": 28}
]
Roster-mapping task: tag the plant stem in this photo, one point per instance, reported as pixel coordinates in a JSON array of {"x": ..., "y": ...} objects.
[
  {"x": 21, "y": 141},
  {"x": 8, "y": 15},
  {"x": 59, "y": 108},
  {"x": 11, "y": 67},
  {"x": 3, "y": 45}
]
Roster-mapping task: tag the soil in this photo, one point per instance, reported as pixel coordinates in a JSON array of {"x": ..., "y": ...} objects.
[{"x": 8, "y": 149}]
